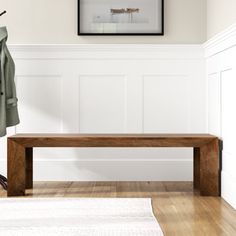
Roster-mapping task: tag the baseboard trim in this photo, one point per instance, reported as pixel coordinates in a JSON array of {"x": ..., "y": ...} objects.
[
  {"x": 159, "y": 170},
  {"x": 228, "y": 191}
]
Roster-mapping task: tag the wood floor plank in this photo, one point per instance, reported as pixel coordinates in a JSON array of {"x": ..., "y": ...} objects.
[
  {"x": 179, "y": 210},
  {"x": 104, "y": 189},
  {"x": 79, "y": 189}
]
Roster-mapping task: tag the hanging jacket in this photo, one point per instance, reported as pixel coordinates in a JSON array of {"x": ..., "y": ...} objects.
[{"x": 8, "y": 100}]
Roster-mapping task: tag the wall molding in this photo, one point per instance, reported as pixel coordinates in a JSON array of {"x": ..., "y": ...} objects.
[
  {"x": 106, "y": 51},
  {"x": 221, "y": 41},
  {"x": 220, "y": 75}
]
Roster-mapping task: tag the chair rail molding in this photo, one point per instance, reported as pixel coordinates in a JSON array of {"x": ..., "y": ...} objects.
[
  {"x": 122, "y": 88},
  {"x": 106, "y": 51},
  {"x": 221, "y": 41}
]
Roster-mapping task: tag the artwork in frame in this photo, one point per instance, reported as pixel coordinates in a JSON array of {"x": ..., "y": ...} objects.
[{"x": 120, "y": 17}]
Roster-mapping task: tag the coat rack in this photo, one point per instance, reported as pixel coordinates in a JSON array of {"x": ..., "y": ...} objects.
[
  {"x": 3, "y": 180},
  {"x": 2, "y": 13}
]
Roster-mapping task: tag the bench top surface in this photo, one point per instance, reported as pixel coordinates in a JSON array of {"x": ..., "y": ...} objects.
[
  {"x": 74, "y": 135},
  {"x": 112, "y": 140}
]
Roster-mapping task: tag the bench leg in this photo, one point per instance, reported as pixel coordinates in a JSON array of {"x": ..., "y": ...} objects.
[
  {"x": 196, "y": 168},
  {"x": 29, "y": 168},
  {"x": 210, "y": 169},
  {"x": 16, "y": 169}
]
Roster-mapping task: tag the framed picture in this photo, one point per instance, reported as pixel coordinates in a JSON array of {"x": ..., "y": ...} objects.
[{"x": 120, "y": 17}]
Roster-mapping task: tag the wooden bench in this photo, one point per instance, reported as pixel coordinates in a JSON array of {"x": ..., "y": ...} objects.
[{"x": 206, "y": 152}]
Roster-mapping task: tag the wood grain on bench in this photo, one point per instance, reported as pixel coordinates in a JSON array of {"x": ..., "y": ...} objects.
[{"x": 205, "y": 151}]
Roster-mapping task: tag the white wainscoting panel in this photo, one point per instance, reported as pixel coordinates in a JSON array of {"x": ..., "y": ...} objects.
[
  {"x": 110, "y": 89},
  {"x": 221, "y": 74},
  {"x": 102, "y": 104},
  {"x": 162, "y": 92},
  {"x": 41, "y": 103},
  {"x": 214, "y": 104}
]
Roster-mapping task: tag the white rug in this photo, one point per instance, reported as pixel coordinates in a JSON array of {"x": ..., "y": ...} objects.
[{"x": 77, "y": 217}]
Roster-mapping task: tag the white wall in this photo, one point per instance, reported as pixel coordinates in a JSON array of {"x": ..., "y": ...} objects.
[
  {"x": 55, "y": 21},
  {"x": 110, "y": 89},
  {"x": 220, "y": 15},
  {"x": 221, "y": 74}
]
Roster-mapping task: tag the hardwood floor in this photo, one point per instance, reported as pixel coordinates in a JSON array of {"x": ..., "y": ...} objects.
[{"x": 178, "y": 210}]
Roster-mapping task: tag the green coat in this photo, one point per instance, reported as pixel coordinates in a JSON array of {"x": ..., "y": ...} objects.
[{"x": 8, "y": 101}]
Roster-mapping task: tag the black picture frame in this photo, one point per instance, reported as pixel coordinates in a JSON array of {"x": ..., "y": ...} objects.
[{"x": 121, "y": 34}]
